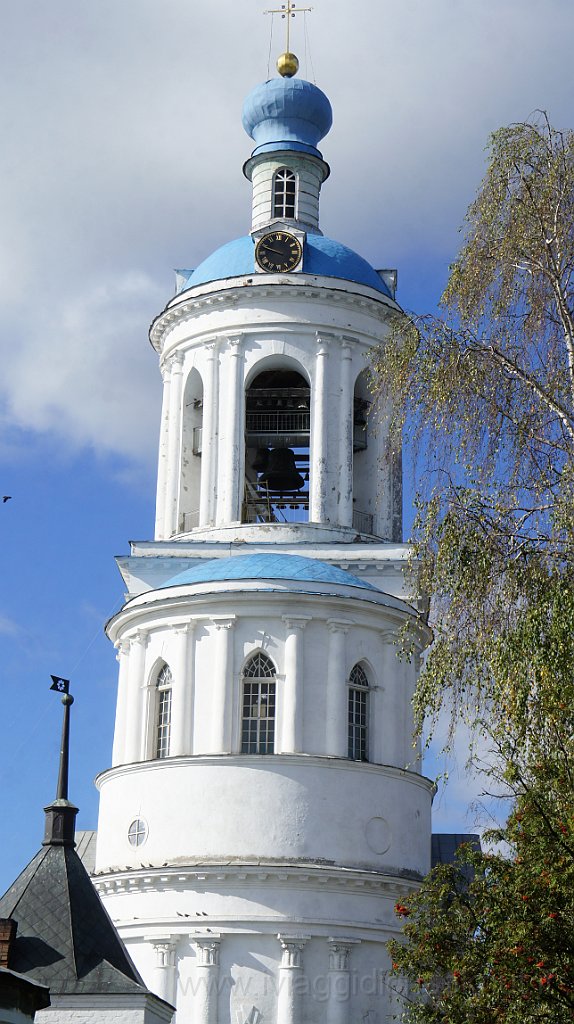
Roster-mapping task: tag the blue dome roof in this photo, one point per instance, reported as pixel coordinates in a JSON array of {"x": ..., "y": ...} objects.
[
  {"x": 321, "y": 256},
  {"x": 267, "y": 567},
  {"x": 287, "y": 113}
]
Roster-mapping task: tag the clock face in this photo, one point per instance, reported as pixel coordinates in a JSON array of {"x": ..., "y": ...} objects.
[{"x": 278, "y": 252}]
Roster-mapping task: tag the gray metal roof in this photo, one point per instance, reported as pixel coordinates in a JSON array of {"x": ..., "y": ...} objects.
[
  {"x": 65, "y": 939},
  {"x": 445, "y": 844}
]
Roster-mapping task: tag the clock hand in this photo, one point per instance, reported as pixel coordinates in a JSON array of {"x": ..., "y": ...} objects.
[{"x": 278, "y": 251}]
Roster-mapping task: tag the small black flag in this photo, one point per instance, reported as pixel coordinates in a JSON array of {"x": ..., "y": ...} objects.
[{"x": 59, "y": 684}]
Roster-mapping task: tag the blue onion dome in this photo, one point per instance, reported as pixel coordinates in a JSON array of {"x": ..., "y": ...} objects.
[{"x": 287, "y": 114}]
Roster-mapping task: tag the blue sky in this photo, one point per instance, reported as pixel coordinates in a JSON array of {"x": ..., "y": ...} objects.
[{"x": 121, "y": 159}]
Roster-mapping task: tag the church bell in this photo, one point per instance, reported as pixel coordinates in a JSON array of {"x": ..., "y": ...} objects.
[
  {"x": 281, "y": 471},
  {"x": 261, "y": 460}
]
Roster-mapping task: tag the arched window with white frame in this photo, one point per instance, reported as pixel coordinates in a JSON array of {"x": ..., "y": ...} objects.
[
  {"x": 284, "y": 193},
  {"x": 163, "y": 712},
  {"x": 258, "y": 705},
  {"x": 358, "y": 714}
]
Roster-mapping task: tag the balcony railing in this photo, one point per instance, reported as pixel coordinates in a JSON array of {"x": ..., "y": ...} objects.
[{"x": 279, "y": 421}]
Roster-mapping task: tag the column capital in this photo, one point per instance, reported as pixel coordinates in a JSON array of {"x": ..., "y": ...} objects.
[
  {"x": 225, "y": 623},
  {"x": 389, "y": 636},
  {"x": 339, "y": 953},
  {"x": 122, "y": 647},
  {"x": 346, "y": 343},
  {"x": 141, "y": 636},
  {"x": 235, "y": 342},
  {"x": 296, "y": 621},
  {"x": 339, "y": 625},
  {"x": 323, "y": 341},
  {"x": 185, "y": 628},
  {"x": 292, "y": 946},
  {"x": 174, "y": 362},
  {"x": 164, "y": 947},
  {"x": 208, "y": 947}
]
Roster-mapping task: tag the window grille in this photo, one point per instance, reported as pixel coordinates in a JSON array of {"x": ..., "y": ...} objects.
[
  {"x": 137, "y": 832},
  {"x": 163, "y": 726},
  {"x": 358, "y": 714},
  {"x": 258, "y": 712},
  {"x": 284, "y": 193}
]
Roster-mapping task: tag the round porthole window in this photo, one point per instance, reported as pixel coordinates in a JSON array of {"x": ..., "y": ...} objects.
[{"x": 137, "y": 832}]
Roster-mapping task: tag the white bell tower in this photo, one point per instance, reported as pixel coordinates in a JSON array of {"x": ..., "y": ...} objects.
[{"x": 265, "y": 809}]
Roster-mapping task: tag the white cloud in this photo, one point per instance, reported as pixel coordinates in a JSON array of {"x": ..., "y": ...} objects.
[
  {"x": 82, "y": 372},
  {"x": 121, "y": 158}
]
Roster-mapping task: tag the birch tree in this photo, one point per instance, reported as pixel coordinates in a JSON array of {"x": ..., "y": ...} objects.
[{"x": 486, "y": 392}]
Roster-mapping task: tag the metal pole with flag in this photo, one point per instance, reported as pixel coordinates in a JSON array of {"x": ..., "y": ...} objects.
[{"x": 63, "y": 686}]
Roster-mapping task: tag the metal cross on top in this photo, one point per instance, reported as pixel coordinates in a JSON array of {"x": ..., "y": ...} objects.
[{"x": 289, "y": 10}]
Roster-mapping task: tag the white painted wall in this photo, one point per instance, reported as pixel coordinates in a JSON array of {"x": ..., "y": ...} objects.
[{"x": 310, "y": 173}]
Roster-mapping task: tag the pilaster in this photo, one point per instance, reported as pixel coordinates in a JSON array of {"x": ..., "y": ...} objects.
[
  {"x": 318, "y": 455},
  {"x": 339, "y": 987},
  {"x": 173, "y": 469},
  {"x": 346, "y": 437},
  {"x": 390, "y": 705},
  {"x": 222, "y": 686},
  {"x": 293, "y": 696},
  {"x": 337, "y": 694},
  {"x": 137, "y": 711},
  {"x": 165, "y": 970},
  {"x": 291, "y": 979},
  {"x": 182, "y": 691},
  {"x": 161, "y": 498},
  {"x": 206, "y": 977},
  {"x": 122, "y": 710},
  {"x": 209, "y": 445},
  {"x": 229, "y": 503}
]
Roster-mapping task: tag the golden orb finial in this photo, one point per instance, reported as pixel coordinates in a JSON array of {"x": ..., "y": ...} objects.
[{"x": 287, "y": 65}]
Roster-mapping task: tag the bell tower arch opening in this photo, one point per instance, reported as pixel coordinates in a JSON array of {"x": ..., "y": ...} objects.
[
  {"x": 277, "y": 439},
  {"x": 191, "y": 449}
]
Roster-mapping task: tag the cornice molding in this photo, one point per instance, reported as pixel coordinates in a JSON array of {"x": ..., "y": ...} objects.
[
  {"x": 214, "y": 876},
  {"x": 236, "y": 760},
  {"x": 196, "y": 301}
]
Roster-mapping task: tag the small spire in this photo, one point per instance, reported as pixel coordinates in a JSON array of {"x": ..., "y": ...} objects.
[
  {"x": 61, "y": 814},
  {"x": 288, "y": 63}
]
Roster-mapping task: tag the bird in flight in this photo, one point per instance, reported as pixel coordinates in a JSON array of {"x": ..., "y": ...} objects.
[{"x": 5, "y": 498}]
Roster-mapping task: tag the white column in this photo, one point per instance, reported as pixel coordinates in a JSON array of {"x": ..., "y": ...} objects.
[
  {"x": 165, "y": 972},
  {"x": 173, "y": 470},
  {"x": 209, "y": 439},
  {"x": 339, "y": 988},
  {"x": 231, "y": 468},
  {"x": 162, "y": 457},
  {"x": 387, "y": 711},
  {"x": 337, "y": 690},
  {"x": 318, "y": 476},
  {"x": 222, "y": 687},
  {"x": 118, "y": 751},
  {"x": 292, "y": 708},
  {"x": 206, "y": 980},
  {"x": 346, "y": 438},
  {"x": 291, "y": 979},
  {"x": 135, "y": 709},
  {"x": 182, "y": 691}
]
